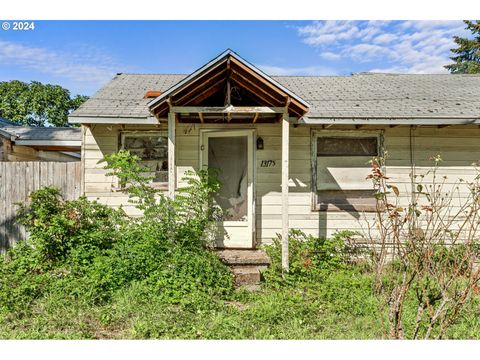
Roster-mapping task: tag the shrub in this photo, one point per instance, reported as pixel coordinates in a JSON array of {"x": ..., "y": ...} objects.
[
  {"x": 425, "y": 249},
  {"x": 308, "y": 255},
  {"x": 75, "y": 229},
  {"x": 87, "y": 251}
]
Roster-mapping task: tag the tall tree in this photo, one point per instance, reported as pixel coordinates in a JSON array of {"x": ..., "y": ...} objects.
[
  {"x": 37, "y": 104},
  {"x": 467, "y": 59}
]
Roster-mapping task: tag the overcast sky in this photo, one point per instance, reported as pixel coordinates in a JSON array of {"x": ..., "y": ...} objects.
[{"x": 83, "y": 55}]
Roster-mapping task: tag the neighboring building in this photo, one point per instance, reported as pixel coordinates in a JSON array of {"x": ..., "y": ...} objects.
[
  {"x": 314, "y": 133},
  {"x": 23, "y": 143}
]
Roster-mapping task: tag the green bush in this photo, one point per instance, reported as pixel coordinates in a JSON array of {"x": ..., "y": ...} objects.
[
  {"x": 88, "y": 252},
  {"x": 75, "y": 230},
  {"x": 308, "y": 255}
]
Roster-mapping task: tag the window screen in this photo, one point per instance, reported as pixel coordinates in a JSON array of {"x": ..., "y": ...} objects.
[
  {"x": 347, "y": 146},
  {"x": 228, "y": 155},
  {"x": 152, "y": 148}
]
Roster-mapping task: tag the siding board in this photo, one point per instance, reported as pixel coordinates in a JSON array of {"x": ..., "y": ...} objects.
[{"x": 459, "y": 147}]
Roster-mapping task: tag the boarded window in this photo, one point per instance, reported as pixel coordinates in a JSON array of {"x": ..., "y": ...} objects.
[
  {"x": 347, "y": 146},
  {"x": 342, "y": 165},
  {"x": 152, "y": 149}
]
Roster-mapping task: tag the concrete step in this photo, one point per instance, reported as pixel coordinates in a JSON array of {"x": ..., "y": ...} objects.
[
  {"x": 244, "y": 257},
  {"x": 246, "y": 266},
  {"x": 246, "y": 275}
]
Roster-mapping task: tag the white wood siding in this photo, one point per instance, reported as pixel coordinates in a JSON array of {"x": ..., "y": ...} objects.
[{"x": 458, "y": 146}]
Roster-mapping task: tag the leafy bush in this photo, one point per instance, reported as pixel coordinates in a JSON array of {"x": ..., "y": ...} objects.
[
  {"x": 308, "y": 255},
  {"x": 75, "y": 230},
  {"x": 88, "y": 252}
]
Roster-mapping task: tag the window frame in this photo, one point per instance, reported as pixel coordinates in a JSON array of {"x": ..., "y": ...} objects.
[
  {"x": 314, "y": 135},
  {"x": 144, "y": 133}
]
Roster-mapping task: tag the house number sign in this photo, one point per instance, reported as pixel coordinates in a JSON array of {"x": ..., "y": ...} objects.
[{"x": 267, "y": 163}]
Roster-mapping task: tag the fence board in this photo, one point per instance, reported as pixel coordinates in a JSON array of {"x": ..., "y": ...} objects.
[
  {"x": 19, "y": 179},
  {"x": 3, "y": 210}
]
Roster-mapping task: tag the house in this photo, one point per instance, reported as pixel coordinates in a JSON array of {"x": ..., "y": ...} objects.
[
  {"x": 25, "y": 143},
  {"x": 293, "y": 150}
]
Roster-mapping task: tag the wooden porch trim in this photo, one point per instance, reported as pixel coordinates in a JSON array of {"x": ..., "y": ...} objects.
[
  {"x": 171, "y": 154},
  {"x": 285, "y": 176},
  {"x": 227, "y": 109}
]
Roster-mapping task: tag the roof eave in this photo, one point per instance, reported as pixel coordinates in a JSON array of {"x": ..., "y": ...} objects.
[
  {"x": 140, "y": 120},
  {"x": 67, "y": 143},
  {"x": 8, "y": 135},
  {"x": 390, "y": 121}
]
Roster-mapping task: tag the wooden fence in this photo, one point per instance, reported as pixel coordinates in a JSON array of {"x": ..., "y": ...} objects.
[{"x": 19, "y": 179}]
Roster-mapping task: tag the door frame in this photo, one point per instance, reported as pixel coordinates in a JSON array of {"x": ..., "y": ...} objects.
[{"x": 251, "y": 177}]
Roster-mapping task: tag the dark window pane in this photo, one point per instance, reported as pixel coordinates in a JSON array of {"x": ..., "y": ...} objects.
[
  {"x": 152, "y": 149},
  {"x": 346, "y": 146}
]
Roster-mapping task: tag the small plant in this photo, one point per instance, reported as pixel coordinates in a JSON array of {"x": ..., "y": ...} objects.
[
  {"x": 309, "y": 255},
  {"x": 131, "y": 177}
]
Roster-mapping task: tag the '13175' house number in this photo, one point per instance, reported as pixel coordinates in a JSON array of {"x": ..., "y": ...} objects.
[{"x": 267, "y": 163}]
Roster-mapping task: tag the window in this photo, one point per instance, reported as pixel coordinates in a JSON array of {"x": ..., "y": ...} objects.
[
  {"x": 347, "y": 146},
  {"x": 152, "y": 148},
  {"x": 340, "y": 168}
]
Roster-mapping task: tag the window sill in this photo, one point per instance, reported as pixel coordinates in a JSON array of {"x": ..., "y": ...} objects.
[
  {"x": 344, "y": 208},
  {"x": 159, "y": 186},
  {"x": 344, "y": 201}
]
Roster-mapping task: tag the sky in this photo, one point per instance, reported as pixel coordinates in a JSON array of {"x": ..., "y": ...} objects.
[{"x": 82, "y": 56}]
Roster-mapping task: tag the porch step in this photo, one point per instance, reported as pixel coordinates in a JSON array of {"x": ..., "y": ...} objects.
[{"x": 246, "y": 266}]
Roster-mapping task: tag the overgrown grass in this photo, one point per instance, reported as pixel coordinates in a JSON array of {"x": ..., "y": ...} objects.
[
  {"x": 334, "y": 301},
  {"x": 90, "y": 272},
  {"x": 337, "y": 306}
]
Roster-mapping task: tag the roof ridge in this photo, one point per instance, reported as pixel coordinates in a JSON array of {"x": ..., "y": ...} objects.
[
  {"x": 152, "y": 74},
  {"x": 362, "y": 73}
]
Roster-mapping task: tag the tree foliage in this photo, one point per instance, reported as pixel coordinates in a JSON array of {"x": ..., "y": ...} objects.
[
  {"x": 37, "y": 104},
  {"x": 467, "y": 55}
]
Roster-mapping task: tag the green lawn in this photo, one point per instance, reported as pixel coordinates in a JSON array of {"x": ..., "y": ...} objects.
[{"x": 339, "y": 305}]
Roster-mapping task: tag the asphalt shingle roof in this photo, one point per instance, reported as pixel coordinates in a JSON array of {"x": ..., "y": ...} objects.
[
  {"x": 357, "y": 96},
  {"x": 38, "y": 133},
  {"x": 5, "y": 122}
]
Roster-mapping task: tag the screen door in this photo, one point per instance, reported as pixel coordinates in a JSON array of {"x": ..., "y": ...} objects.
[{"x": 229, "y": 155}]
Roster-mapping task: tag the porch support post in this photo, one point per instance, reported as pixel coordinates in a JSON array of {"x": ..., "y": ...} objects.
[
  {"x": 285, "y": 155},
  {"x": 171, "y": 154}
]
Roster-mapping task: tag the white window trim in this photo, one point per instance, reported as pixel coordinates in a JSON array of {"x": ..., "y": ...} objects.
[
  {"x": 141, "y": 133},
  {"x": 315, "y": 133}
]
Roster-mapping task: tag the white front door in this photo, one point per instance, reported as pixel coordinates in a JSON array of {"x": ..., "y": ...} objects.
[{"x": 230, "y": 154}]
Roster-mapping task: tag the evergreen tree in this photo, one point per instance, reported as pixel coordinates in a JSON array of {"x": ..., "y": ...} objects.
[{"x": 467, "y": 59}]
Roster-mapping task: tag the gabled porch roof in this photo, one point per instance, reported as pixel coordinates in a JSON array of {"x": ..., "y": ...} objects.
[{"x": 228, "y": 85}]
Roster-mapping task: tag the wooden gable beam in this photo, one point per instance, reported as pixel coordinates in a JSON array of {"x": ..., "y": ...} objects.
[
  {"x": 247, "y": 83},
  {"x": 200, "y": 88},
  {"x": 257, "y": 95},
  {"x": 228, "y": 100},
  {"x": 205, "y": 94},
  {"x": 259, "y": 78},
  {"x": 227, "y": 109},
  {"x": 277, "y": 90}
]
